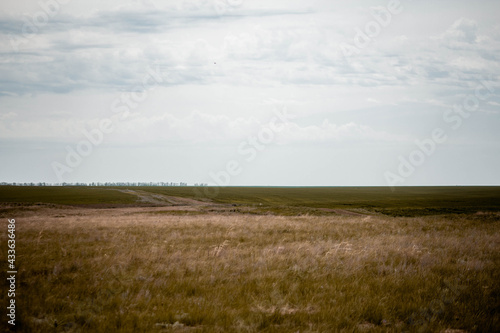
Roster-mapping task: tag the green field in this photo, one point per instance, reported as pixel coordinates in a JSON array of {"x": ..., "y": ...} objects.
[
  {"x": 64, "y": 195},
  {"x": 398, "y": 201}
]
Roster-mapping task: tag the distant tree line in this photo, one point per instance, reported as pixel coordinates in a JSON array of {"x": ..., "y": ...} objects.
[{"x": 104, "y": 184}]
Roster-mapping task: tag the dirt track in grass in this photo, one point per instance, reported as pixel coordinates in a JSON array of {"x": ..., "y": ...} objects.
[{"x": 163, "y": 200}]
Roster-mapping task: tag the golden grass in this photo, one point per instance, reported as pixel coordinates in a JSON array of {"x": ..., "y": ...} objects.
[{"x": 132, "y": 271}]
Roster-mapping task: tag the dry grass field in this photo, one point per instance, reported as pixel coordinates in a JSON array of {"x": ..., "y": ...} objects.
[{"x": 185, "y": 269}]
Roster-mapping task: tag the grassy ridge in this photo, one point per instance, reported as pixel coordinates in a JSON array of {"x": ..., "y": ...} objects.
[{"x": 399, "y": 201}]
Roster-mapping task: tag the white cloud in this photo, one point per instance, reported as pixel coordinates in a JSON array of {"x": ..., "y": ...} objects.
[{"x": 462, "y": 31}]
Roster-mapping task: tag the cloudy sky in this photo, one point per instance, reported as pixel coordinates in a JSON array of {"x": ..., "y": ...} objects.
[{"x": 240, "y": 92}]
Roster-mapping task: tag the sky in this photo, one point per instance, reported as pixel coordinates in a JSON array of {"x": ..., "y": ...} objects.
[{"x": 253, "y": 93}]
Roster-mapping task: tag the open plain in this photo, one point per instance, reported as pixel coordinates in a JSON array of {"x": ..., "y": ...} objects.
[{"x": 254, "y": 260}]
